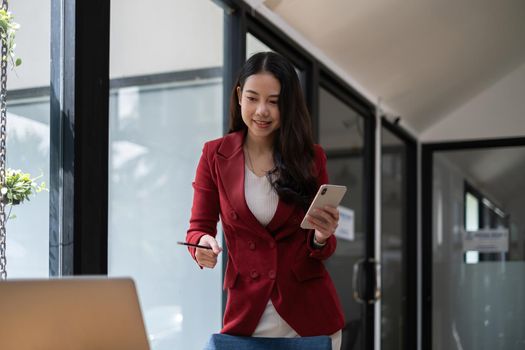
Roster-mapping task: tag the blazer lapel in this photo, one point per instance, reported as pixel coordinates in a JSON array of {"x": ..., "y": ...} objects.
[
  {"x": 281, "y": 217},
  {"x": 230, "y": 164}
]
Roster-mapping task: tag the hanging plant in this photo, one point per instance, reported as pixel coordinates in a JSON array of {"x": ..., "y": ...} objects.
[
  {"x": 19, "y": 186},
  {"x": 8, "y": 29}
]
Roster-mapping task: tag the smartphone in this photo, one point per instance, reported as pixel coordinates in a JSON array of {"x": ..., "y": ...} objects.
[{"x": 327, "y": 195}]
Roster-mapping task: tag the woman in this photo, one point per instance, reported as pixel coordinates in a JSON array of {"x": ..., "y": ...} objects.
[{"x": 260, "y": 179}]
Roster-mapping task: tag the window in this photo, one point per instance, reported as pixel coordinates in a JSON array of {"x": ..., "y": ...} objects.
[
  {"x": 471, "y": 212},
  {"x": 482, "y": 214},
  {"x": 28, "y": 138},
  {"x": 166, "y": 101}
]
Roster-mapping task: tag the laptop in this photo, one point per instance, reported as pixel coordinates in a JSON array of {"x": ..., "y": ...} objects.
[{"x": 84, "y": 313}]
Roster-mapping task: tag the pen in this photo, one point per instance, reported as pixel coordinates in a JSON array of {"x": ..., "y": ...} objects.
[{"x": 194, "y": 245}]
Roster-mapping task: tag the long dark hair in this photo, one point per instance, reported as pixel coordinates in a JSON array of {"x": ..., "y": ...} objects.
[{"x": 293, "y": 149}]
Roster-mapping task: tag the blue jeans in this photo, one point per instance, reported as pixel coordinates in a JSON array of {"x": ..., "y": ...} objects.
[{"x": 230, "y": 342}]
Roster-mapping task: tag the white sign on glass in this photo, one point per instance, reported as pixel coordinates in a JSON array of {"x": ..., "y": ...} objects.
[
  {"x": 486, "y": 241},
  {"x": 345, "y": 229}
]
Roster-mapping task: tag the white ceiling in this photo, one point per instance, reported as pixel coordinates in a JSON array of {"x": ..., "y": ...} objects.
[{"x": 423, "y": 58}]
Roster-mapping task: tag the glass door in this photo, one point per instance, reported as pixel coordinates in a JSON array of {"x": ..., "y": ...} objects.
[
  {"x": 343, "y": 137},
  {"x": 475, "y": 250}
]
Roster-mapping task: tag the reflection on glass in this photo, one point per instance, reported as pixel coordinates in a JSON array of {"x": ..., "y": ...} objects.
[
  {"x": 343, "y": 129},
  {"x": 157, "y": 130},
  {"x": 342, "y": 139},
  {"x": 478, "y": 295}
]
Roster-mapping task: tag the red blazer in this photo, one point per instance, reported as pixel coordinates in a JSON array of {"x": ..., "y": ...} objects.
[{"x": 274, "y": 262}]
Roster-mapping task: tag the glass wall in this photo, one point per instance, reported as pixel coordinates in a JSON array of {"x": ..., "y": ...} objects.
[
  {"x": 478, "y": 264},
  {"x": 28, "y": 138},
  {"x": 166, "y": 101}
]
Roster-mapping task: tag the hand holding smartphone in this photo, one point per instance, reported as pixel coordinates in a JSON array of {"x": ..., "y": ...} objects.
[{"x": 326, "y": 195}]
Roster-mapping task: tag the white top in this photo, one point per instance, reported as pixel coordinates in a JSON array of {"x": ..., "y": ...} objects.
[{"x": 260, "y": 196}]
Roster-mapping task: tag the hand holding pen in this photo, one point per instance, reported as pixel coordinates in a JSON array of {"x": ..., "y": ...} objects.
[
  {"x": 193, "y": 245},
  {"x": 207, "y": 251}
]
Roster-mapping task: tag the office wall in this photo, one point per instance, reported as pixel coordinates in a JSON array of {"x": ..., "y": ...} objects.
[{"x": 498, "y": 111}]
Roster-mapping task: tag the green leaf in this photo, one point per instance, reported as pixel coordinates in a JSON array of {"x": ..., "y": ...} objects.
[{"x": 19, "y": 186}]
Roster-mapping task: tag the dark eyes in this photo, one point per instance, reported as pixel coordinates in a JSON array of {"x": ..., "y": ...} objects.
[{"x": 253, "y": 99}]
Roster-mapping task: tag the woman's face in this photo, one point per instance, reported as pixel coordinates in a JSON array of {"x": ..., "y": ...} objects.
[{"x": 259, "y": 101}]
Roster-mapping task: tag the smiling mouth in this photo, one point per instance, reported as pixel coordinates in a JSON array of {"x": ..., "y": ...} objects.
[{"x": 259, "y": 122}]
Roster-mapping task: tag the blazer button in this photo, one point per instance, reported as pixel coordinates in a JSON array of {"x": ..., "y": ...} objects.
[
  {"x": 254, "y": 274},
  {"x": 252, "y": 245},
  {"x": 272, "y": 245},
  {"x": 271, "y": 274},
  {"x": 233, "y": 215}
]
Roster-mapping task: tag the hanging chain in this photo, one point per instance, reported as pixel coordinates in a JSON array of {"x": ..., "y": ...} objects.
[{"x": 3, "y": 135}]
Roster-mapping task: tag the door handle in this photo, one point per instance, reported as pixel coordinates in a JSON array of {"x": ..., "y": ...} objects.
[
  {"x": 377, "y": 286},
  {"x": 356, "y": 281}
]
